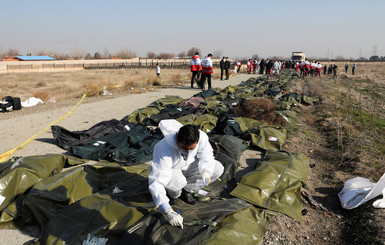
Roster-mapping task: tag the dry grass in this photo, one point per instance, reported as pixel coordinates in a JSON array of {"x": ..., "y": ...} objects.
[
  {"x": 312, "y": 88},
  {"x": 43, "y": 95},
  {"x": 262, "y": 109},
  {"x": 73, "y": 84},
  {"x": 353, "y": 118}
]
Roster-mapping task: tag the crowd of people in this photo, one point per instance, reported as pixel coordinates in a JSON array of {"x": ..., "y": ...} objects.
[
  {"x": 202, "y": 70},
  {"x": 263, "y": 66}
]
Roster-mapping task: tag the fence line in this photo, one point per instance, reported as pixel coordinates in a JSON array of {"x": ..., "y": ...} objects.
[{"x": 92, "y": 64}]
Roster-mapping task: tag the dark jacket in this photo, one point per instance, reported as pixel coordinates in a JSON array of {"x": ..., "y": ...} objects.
[
  {"x": 227, "y": 64},
  {"x": 222, "y": 64}
]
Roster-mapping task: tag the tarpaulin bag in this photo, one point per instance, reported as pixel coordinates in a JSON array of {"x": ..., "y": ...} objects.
[{"x": 6, "y": 104}]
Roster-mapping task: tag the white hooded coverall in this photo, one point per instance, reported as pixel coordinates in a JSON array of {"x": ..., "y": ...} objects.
[{"x": 172, "y": 169}]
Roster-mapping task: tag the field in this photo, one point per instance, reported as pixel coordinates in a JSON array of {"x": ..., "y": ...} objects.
[{"x": 343, "y": 135}]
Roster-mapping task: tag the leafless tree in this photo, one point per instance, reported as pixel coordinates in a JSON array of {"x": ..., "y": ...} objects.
[
  {"x": 165, "y": 56},
  {"x": 192, "y": 51},
  {"x": 11, "y": 52},
  {"x": 255, "y": 57},
  {"x": 42, "y": 53},
  {"x": 182, "y": 54},
  {"x": 151, "y": 55},
  {"x": 125, "y": 54},
  {"x": 77, "y": 54},
  {"x": 59, "y": 56},
  {"x": 217, "y": 54}
]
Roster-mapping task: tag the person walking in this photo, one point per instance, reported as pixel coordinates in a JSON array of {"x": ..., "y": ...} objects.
[
  {"x": 158, "y": 70},
  {"x": 346, "y": 67},
  {"x": 195, "y": 66},
  {"x": 239, "y": 66},
  {"x": 207, "y": 70},
  {"x": 222, "y": 66},
  {"x": 353, "y": 68},
  {"x": 335, "y": 73},
  {"x": 227, "y": 67}
]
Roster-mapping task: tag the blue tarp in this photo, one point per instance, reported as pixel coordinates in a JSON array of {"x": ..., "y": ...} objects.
[{"x": 35, "y": 58}]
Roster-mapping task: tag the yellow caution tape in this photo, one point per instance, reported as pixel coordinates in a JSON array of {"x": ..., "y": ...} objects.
[{"x": 6, "y": 155}]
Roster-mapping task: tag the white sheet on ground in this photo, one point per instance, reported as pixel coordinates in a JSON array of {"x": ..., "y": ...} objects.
[
  {"x": 359, "y": 190},
  {"x": 31, "y": 102}
]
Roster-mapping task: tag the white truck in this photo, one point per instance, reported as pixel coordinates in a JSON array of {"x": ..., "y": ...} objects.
[{"x": 297, "y": 57}]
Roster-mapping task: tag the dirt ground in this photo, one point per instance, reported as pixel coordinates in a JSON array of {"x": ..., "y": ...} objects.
[{"x": 324, "y": 221}]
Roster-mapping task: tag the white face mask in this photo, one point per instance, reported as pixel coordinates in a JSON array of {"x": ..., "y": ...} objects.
[{"x": 184, "y": 153}]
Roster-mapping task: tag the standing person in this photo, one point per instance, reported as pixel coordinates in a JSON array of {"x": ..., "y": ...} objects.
[
  {"x": 262, "y": 66},
  {"x": 346, "y": 67},
  {"x": 239, "y": 66},
  {"x": 207, "y": 70},
  {"x": 227, "y": 67},
  {"x": 158, "y": 70},
  {"x": 276, "y": 67},
  {"x": 222, "y": 66},
  {"x": 249, "y": 66},
  {"x": 269, "y": 65},
  {"x": 255, "y": 64},
  {"x": 312, "y": 68},
  {"x": 353, "y": 68},
  {"x": 180, "y": 159},
  {"x": 302, "y": 68},
  {"x": 325, "y": 68},
  {"x": 335, "y": 73},
  {"x": 318, "y": 68},
  {"x": 195, "y": 65},
  {"x": 307, "y": 67}
]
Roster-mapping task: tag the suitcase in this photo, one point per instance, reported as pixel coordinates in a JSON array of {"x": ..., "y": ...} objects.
[{"x": 16, "y": 103}]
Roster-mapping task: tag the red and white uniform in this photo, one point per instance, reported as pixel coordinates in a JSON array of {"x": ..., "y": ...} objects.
[
  {"x": 318, "y": 69},
  {"x": 195, "y": 63},
  {"x": 307, "y": 67},
  {"x": 249, "y": 65},
  {"x": 207, "y": 66}
]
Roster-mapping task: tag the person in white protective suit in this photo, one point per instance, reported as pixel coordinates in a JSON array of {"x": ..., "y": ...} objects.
[{"x": 183, "y": 158}]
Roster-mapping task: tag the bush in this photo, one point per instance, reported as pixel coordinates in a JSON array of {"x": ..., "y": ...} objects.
[{"x": 312, "y": 88}]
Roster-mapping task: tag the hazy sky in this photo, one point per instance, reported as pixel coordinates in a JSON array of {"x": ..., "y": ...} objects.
[{"x": 348, "y": 28}]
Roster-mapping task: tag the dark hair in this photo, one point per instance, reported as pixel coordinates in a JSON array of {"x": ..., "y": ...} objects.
[
  {"x": 209, "y": 55},
  {"x": 196, "y": 53},
  {"x": 188, "y": 134}
]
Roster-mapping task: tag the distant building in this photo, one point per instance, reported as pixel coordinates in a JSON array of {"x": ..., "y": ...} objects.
[{"x": 29, "y": 58}]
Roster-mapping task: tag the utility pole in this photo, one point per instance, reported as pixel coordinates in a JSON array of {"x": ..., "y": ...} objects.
[{"x": 375, "y": 50}]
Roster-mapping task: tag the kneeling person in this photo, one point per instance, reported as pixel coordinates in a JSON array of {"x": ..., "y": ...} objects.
[{"x": 181, "y": 158}]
